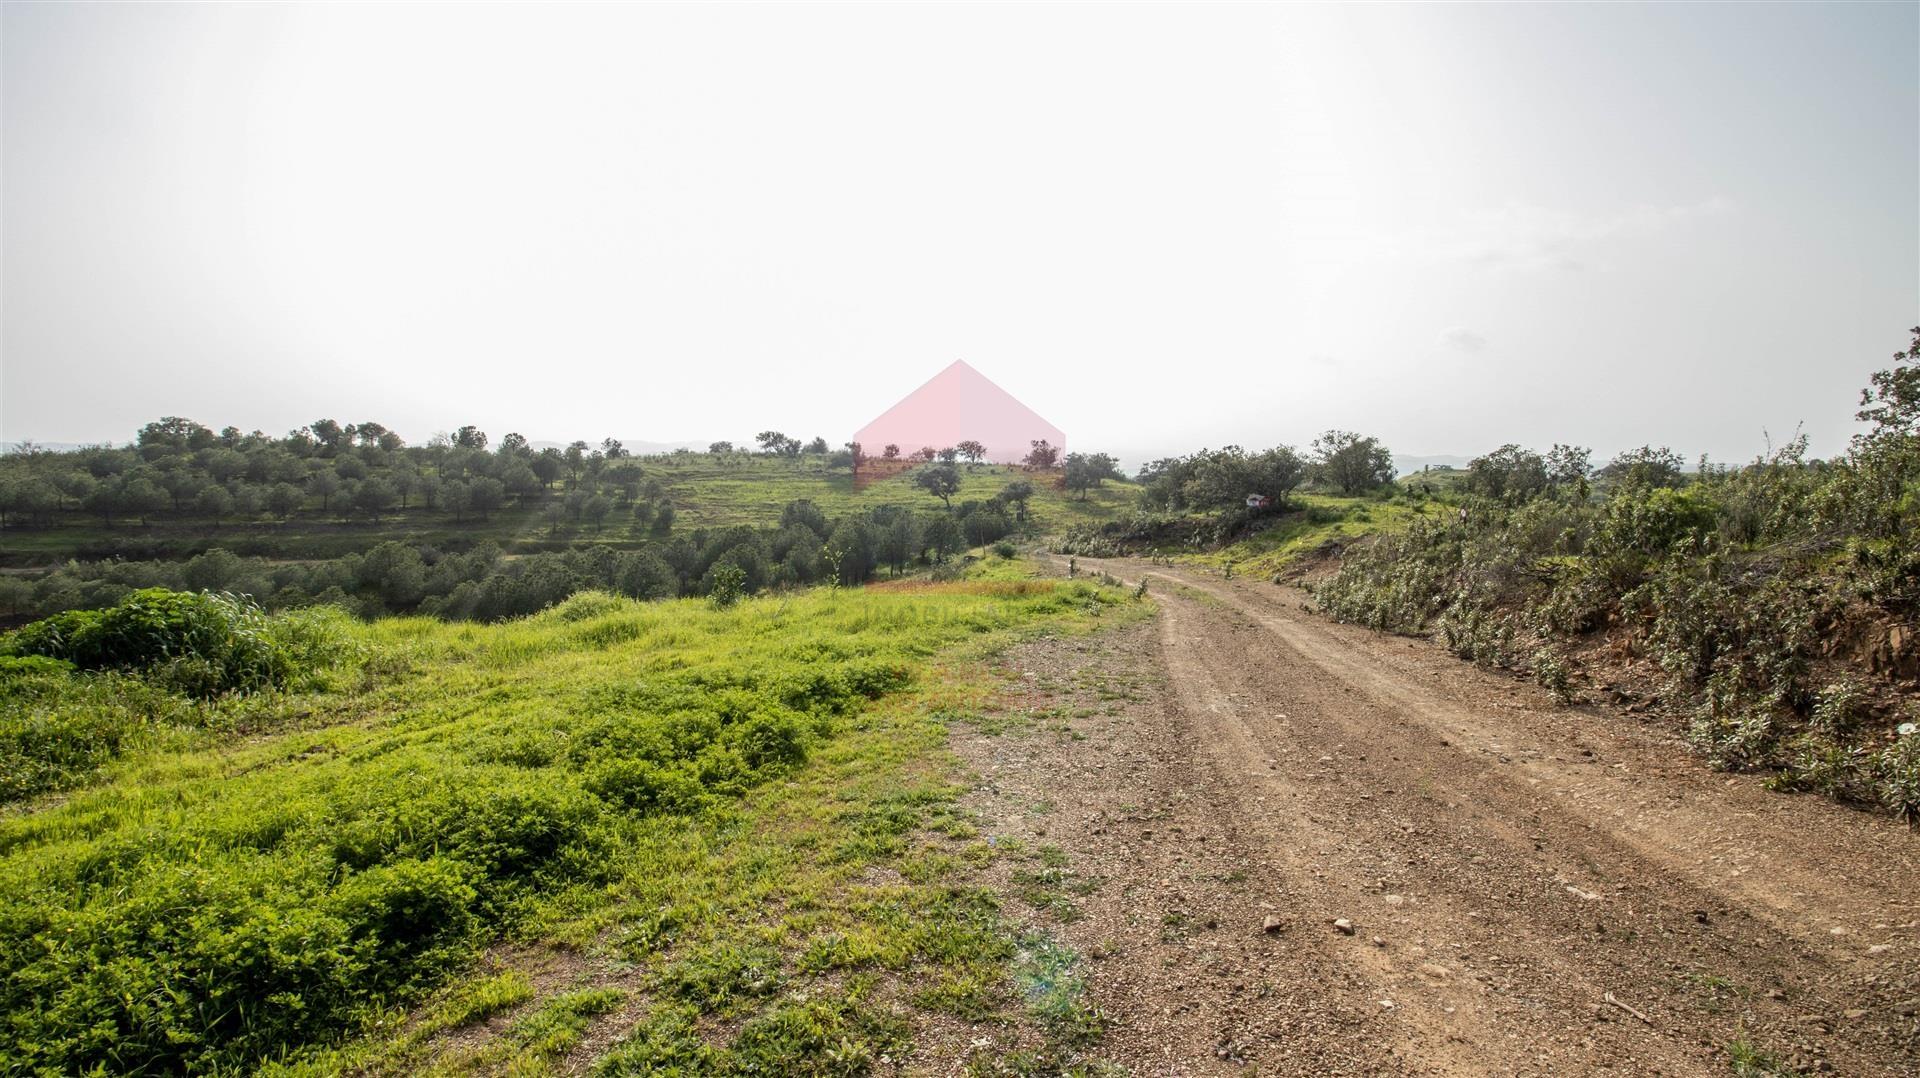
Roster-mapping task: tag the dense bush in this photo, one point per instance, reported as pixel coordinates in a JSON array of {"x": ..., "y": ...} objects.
[
  {"x": 200, "y": 643},
  {"x": 1753, "y": 589},
  {"x": 1140, "y": 531},
  {"x": 1220, "y": 478}
]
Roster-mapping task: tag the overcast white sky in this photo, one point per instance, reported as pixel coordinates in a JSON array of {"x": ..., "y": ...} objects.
[{"x": 1161, "y": 227}]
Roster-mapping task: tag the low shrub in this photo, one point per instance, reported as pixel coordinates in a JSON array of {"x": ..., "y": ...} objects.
[{"x": 200, "y": 643}]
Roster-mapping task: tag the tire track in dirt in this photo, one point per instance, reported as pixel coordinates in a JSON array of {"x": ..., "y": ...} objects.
[
  {"x": 1173, "y": 928},
  {"x": 1513, "y": 870}
]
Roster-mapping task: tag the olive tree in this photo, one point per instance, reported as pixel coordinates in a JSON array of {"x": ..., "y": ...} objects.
[
  {"x": 940, "y": 480},
  {"x": 1352, "y": 463},
  {"x": 1042, "y": 456}
]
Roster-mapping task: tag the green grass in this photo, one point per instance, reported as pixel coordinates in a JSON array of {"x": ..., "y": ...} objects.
[
  {"x": 708, "y": 491},
  {"x": 677, "y": 804},
  {"x": 1748, "y": 1060}
]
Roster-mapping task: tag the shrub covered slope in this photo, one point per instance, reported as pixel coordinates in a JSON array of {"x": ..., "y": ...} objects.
[{"x": 1775, "y": 603}]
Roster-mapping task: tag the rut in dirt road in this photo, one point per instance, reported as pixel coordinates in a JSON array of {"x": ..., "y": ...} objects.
[{"x": 1530, "y": 888}]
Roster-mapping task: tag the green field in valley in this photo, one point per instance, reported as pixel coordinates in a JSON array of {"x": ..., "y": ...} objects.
[{"x": 751, "y": 490}]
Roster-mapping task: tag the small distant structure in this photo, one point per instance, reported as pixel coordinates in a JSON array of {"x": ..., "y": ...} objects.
[
  {"x": 1258, "y": 501},
  {"x": 957, "y": 405}
]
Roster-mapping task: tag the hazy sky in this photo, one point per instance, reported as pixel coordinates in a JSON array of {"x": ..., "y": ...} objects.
[{"x": 1161, "y": 227}]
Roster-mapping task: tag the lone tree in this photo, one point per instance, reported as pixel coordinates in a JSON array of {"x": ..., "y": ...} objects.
[
  {"x": 891, "y": 452},
  {"x": 971, "y": 451},
  {"x": 485, "y": 494},
  {"x": 718, "y": 448},
  {"x": 774, "y": 443},
  {"x": 596, "y": 510},
  {"x": 324, "y": 485},
  {"x": 940, "y": 480},
  {"x": 1085, "y": 471},
  {"x": 1892, "y": 402},
  {"x": 1043, "y": 457},
  {"x": 329, "y": 433},
  {"x": 1568, "y": 467},
  {"x": 1016, "y": 494},
  {"x": 1352, "y": 463},
  {"x": 1509, "y": 473},
  {"x": 373, "y": 497},
  {"x": 1646, "y": 467}
]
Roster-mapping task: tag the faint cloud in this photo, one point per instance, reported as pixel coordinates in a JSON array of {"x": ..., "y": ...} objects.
[
  {"x": 1529, "y": 238},
  {"x": 1462, "y": 339}
]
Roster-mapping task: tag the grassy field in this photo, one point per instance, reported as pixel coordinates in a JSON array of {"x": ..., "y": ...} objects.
[
  {"x": 668, "y": 836},
  {"x": 705, "y": 491},
  {"x": 751, "y": 490}
]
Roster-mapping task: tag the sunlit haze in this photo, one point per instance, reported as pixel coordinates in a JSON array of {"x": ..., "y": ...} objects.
[{"x": 1161, "y": 227}]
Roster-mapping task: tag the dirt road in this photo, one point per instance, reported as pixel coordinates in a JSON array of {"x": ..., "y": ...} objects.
[{"x": 1324, "y": 850}]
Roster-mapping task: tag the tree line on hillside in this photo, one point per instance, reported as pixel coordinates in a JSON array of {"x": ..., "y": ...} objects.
[
  {"x": 1221, "y": 479},
  {"x": 181, "y": 469},
  {"x": 805, "y": 548}
]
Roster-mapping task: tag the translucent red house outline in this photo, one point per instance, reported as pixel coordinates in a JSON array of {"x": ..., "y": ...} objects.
[{"x": 960, "y": 404}]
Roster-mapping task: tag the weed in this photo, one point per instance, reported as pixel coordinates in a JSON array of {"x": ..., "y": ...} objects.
[
  {"x": 552, "y": 1030},
  {"x": 1553, "y": 675},
  {"x": 719, "y": 975},
  {"x": 1175, "y": 925},
  {"x": 1749, "y": 1060},
  {"x": 1046, "y": 974},
  {"x": 478, "y": 1000}
]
